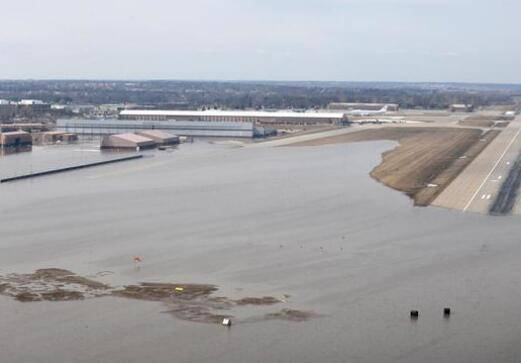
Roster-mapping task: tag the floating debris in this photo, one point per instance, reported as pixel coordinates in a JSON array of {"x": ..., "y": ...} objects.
[
  {"x": 292, "y": 315},
  {"x": 51, "y": 285},
  {"x": 190, "y": 302},
  {"x": 160, "y": 291},
  {"x": 266, "y": 300}
]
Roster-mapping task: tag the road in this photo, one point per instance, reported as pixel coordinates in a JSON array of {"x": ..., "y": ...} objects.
[
  {"x": 476, "y": 188},
  {"x": 307, "y": 137}
]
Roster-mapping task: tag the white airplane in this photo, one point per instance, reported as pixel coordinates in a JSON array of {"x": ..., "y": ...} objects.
[{"x": 367, "y": 112}]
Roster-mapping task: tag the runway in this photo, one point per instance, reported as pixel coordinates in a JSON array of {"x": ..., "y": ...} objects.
[{"x": 477, "y": 187}]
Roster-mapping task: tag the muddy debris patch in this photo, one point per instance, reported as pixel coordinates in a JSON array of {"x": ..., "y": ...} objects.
[
  {"x": 266, "y": 300},
  {"x": 189, "y": 302},
  {"x": 160, "y": 291},
  {"x": 50, "y": 285},
  {"x": 198, "y": 313},
  {"x": 292, "y": 315},
  {"x": 192, "y": 302}
]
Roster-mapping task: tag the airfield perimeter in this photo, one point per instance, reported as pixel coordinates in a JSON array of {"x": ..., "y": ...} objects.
[
  {"x": 305, "y": 226},
  {"x": 451, "y": 161}
]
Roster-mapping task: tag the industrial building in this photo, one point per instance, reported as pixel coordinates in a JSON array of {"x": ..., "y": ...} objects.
[
  {"x": 54, "y": 137},
  {"x": 160, "y": 137},
  {"x": 392, "y": 107},
  {"x": 15, "y": 139},
  {"x": 29, "y": 127},
  {"x": 461, "y": 108},
  {"x": 255, "y": 117},
  {"x": 181, "y": 128},
  {"x": 127, "y": 141}
]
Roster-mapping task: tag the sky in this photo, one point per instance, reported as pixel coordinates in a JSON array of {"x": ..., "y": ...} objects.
[{"x": 297, "y": 40}]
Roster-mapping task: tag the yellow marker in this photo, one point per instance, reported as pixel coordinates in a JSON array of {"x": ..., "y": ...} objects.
[{"x": 179, "y": 289}]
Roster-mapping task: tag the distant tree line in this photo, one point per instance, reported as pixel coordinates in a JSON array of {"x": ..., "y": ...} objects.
[{"x": 257, "y": 95}]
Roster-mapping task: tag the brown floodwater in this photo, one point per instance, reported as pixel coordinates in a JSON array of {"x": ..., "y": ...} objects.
[{"x": 306, "y": 226}]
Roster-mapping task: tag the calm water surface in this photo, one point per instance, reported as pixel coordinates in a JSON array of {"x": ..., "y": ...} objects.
[{"x": 308, "y": 222}]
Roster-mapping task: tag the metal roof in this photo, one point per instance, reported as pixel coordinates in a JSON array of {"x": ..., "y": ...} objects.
[
  {"x": 133, "y": 137},
  {"x": 13, "y": 133},
  {"x": 185, "y": 128},
  {"x": 221, "y": 113},
  {"x": 157, "y": 134}
]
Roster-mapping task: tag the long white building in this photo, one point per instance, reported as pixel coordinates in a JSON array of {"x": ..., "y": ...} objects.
[
  {"x": 181, "y": 128},
  {"x": 261, "y": 117}
]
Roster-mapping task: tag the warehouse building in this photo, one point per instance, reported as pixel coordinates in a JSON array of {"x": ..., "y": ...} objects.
[
  {"x": 54, "y": 137},
  {"x": 461, "y": 107},
  {"x": 181, "y": 128},
  {"x": 127, "y": 141},
  {"x": 29, "y": 127},
  {"x": 160, "y": 137},
  {"x": 392, "y": 107},
  {"x": 15, "y": 139},
  {"x": 255, "y": 117}
]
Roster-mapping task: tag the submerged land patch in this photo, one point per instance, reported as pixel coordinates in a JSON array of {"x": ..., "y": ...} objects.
[{"x": 190, "y": 302}]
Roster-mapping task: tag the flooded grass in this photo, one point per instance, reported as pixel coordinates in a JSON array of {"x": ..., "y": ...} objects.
[
  {"x": 190, "y": 302},
  {"x": 292, "y": 315}
]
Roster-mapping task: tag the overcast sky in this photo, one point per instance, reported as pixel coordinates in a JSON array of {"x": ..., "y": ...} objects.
[{"x": 344, "y": 40}]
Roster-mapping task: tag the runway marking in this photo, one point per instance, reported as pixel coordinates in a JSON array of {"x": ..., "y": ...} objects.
[
  {"x": 483, "y": 196},
  {"x": 492, "y": 170},
  {"x": 488, "y": 196},
  {"x": 499, "y": 177},
  {"x": 508, "y": 162}
]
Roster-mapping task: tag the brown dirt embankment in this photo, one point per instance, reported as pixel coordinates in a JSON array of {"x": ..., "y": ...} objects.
[{"x": 425, "y": 162}]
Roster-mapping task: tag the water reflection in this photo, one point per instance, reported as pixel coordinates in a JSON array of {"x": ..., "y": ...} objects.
[{"x": 5, "y": 151}]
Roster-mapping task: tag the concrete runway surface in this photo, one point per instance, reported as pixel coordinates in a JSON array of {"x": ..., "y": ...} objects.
[{"x": 476, "y": 188}]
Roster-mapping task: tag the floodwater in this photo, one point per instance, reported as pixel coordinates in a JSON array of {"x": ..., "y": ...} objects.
[
  {"x": 47, "y": 157},
  {"x": 307, "y": 222}
]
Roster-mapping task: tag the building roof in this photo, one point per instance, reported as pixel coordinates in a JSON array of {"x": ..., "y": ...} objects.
[
  {"x": 14, "y": 133},
  {"x": 156, "y": 134},
  {"x": 31, "y": 102},
  {"x": 133, "y": 137},
  {"x": 54, "y": 132},
  {"x": 363, "y": 104},
  {"x": 233, "y": 113}
]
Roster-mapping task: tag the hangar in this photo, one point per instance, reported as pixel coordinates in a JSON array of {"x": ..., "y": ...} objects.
[{"x": 127, "y": 141}]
